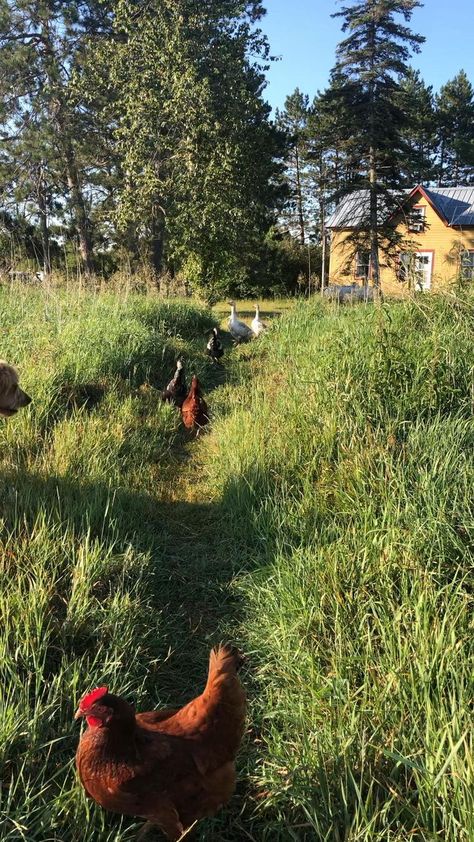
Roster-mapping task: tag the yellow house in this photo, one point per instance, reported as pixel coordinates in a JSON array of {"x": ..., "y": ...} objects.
[{"x": 435, "y": 249}]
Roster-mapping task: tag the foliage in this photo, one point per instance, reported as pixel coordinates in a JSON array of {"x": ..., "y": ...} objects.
[
  {"x": 298, "y": 213},
  {"x": 141, "y": 131},
  {"x": 419, "y": 132},
  {"x": 455, "y": 123},
  {"x": 370, "y": 65},
  {"x": 47, "y": 143},
  {"x": 204, "y": 129}
]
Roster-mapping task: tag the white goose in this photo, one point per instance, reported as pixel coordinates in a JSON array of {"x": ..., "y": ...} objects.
[
  {"x": 239, "y": 330},
  {"x": 257, "y": 326}
]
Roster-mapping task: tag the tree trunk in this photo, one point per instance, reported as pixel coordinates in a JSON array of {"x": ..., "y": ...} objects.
[
  {"x": 43, "y": 215},
  {"x": 83, "y": 224},
  {"x": 373, "y": 221},
  {"x": 62, "y": 123},
  {"x": 158, "y": 243},
  {"x": 322, "y": 208},
  {"x": 441, "y": 165},
  {"x": 299, "y": 198},
  {"x": 45, "y": 243}
]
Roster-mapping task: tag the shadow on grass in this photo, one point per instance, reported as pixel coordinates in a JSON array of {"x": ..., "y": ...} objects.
[
  {"x": 192, "y": 566},
  {"x": 196, "y": 550}
]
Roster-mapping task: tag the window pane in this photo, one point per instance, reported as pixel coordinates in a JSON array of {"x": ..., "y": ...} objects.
[
  {"x": 467, "y": 266},
  {"x": 416, "y": 219},
  {"x": 405, "y": 265},
  {"x": 362, "y": 264}
]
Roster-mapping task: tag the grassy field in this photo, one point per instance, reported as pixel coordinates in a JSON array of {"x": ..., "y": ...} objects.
[{"x": 325, "y": 524}]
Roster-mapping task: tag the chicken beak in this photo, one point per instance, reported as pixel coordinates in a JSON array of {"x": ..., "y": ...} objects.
[{"x": 78, "y": 714}]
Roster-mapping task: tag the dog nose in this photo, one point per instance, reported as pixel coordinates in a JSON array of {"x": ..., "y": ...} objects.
[{"x": 26, "y": 399}]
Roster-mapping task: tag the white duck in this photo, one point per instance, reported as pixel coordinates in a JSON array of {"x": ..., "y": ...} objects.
[
  {"x": 257, "y": 326},
  {"x": 239, "y": 330}
]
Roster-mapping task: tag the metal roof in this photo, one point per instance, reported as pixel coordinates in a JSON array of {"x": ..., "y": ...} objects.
[
  {"x": 353, "y": 210},
  {"x": 454, "y": 204}
]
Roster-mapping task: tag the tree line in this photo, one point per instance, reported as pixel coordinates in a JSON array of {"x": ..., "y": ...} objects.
[
  {"x": 135, "y": 133},
  {"x": 323, "y": 162}
]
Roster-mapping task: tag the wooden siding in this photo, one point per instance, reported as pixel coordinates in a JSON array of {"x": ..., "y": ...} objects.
[{"x": 445, "y": 242}]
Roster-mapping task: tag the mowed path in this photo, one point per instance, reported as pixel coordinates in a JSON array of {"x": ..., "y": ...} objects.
[
  {"x": 195, "y": 570},
  {"x": 199, "y": 558},
  {"x": 195, "y": 581}
]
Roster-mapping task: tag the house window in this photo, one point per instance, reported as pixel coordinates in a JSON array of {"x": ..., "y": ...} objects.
[
  {"x": 415, "y": 268},
  {"x": 467, "y": 266},
  {"x": 416, "y": 219},
  {"x": 405, "y": 266},
  {"x": 362, "y": 266}
]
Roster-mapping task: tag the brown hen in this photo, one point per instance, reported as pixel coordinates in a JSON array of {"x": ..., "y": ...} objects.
[
  {"x": 194, "y": 409},
  {"x": 168, "y": 767}
]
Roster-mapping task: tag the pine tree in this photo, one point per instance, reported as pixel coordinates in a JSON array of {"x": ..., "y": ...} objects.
[
  {"x": 40, "y": 45},
  {"x": 371, "y": 63},
  {"x": 419, "y": 133},
  {"x": 293, "y": 120},
  {"x": 328, "y": 142},
  {"x": 455, "y": 121}
]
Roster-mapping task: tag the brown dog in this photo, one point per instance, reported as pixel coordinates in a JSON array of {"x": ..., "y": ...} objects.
[{"x": 12, "y": 398}]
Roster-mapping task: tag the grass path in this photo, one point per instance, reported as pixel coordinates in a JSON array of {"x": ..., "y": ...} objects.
[{"x": 195, "y": 582}]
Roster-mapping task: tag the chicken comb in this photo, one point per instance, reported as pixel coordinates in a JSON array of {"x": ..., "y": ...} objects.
[{"x": 92, "y": 697}]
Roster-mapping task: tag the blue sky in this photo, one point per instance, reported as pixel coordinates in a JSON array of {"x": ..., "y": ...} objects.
[{"x": 305, "y": 36}]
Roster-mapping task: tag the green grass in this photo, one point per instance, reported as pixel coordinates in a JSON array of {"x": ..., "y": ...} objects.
[
  {"x": 325, "y": 524},
  {"x": 351, "y": 492},
  {"x": 85, "y": 582}
]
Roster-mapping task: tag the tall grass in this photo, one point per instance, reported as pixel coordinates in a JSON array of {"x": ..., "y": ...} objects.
[
  {"x": 326, "y": 523},
  {"x": 351, "y": 492},
  {"x": 82, "y": 557}
]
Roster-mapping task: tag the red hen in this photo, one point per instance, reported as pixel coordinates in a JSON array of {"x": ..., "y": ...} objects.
[
  {"x": 168, "y": 767},
  {"x": 194, "y": 409}
]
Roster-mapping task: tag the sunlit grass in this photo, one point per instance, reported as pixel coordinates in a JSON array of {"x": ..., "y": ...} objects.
[
  {"x": 345, "y": 463},
  {"x": 324, "y": 522},
  {"x": 81, "y": 599}
]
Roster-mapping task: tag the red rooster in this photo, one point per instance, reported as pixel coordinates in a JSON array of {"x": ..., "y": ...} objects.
[
  {"x": 170, "y": 767},
  {"x": 194, "y": 409}
]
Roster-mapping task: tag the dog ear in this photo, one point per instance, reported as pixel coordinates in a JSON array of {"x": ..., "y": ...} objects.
[{"x": 8, "y": 376}]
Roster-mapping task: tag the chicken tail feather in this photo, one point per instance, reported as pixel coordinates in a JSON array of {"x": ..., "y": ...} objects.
[
  {"x": 224, "y": 660},
  {"x": 224, "y": 689}
]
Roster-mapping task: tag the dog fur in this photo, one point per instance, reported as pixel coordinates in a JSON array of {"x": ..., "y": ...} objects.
[{"x": 12, "y": 398}]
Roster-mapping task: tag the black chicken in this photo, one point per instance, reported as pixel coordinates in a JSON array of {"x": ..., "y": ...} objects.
[
  {"x": 214, "y": 347},
  {"x": 176, "y": 389}
]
